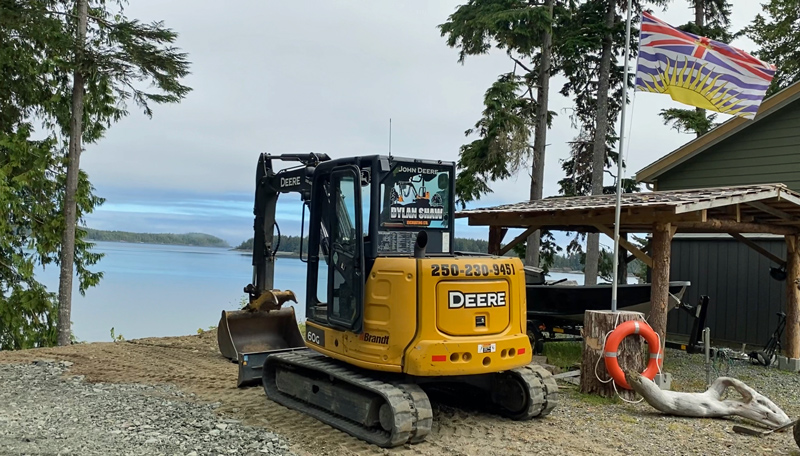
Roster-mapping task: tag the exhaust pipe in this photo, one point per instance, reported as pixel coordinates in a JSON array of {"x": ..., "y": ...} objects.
[{"x": 421, "y": 244}]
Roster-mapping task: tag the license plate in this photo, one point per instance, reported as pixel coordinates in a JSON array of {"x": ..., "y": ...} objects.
[{"x": 491, "y": 348}]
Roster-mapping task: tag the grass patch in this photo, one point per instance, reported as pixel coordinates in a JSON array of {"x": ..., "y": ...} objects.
[{"x": 563, "y": 354}]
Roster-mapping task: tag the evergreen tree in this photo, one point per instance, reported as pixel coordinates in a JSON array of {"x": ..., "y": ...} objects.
[
  {"x": 593, "y": 41},
  {"x": 80, "y": 64},
  {"x": 778, "y": 37},
  {"x": 523, "y": 29}
]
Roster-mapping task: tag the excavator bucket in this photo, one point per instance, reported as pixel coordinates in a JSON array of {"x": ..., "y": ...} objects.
[{"x": 248, "y": 337}]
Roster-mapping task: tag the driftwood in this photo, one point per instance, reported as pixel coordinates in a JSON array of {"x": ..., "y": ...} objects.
[{"x": 709, "y": 404}]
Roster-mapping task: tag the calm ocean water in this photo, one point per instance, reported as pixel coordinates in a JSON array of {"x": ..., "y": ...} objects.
[{"x": 167, "y": 290}]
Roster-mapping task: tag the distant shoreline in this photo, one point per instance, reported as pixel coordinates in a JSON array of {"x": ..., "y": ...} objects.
[
  {"x": 155, "y": 243},
  {"x": 185, "y": 239}
]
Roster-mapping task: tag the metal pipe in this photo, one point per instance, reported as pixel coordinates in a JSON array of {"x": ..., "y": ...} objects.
[
  {"x": 707, "y": 351},
  {"x": 618, "y": 208}
]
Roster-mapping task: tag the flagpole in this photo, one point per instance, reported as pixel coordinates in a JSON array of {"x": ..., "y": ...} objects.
[{"x": 618, "y": 208}]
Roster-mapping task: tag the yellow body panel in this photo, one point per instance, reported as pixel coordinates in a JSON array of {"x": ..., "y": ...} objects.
[
  {"x": 436, "y": 317},
  {"x": 388, "y": 319}
]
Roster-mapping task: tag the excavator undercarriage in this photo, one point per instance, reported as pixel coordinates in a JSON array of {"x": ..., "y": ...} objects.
[{"x": 390, "y": 410}]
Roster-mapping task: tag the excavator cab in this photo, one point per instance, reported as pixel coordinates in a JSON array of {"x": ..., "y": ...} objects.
[
  {"x": 355, "y": 204},
  {"x": 352, "y": 202}
]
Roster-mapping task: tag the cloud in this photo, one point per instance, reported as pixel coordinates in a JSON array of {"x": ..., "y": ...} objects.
[{"x": 317, "y": 76}]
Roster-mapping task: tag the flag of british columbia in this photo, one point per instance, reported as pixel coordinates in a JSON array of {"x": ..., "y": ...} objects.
[{"x": 698, "y": 71}]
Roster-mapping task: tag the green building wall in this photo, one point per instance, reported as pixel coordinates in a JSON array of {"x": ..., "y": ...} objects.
[{"x": 764, "y": 153}]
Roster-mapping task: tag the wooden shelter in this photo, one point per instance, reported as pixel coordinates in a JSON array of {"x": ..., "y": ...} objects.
[
  {"x": 768, "y": 208},
  {"x": 737, "y": 152}
]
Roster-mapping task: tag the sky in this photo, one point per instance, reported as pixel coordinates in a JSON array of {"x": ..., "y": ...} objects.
[{"x": 320, "y": 76}]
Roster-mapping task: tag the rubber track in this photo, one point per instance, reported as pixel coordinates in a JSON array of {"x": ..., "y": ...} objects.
[
  {"x": 542, "y": 390},
  {"x": 413, "y": 416}
]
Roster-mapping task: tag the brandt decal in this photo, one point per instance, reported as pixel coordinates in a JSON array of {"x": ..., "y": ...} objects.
[{"x": 367, "y": 337}]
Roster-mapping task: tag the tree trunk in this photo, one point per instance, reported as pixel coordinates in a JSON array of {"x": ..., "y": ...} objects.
[
  {"x": 540, "y": 138},
  {"x": 659, "y": 287},
  {"x": 622, "y": 262},
  {"x": 792, "y": 297},
  {"x": 699, "y": 20},
  {"x": 599, "y": 149},
  {"x": 710, "y": 404},
  {"x": 596, "y": 324},
  {"x": 67, "y": 257}
]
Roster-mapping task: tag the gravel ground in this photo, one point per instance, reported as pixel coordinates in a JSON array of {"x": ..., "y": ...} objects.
[
  {"x": 43, "y": 412},
  {"x": 172, "y": 395}
]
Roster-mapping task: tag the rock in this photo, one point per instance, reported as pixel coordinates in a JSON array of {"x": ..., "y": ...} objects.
[{"x": 222, "y": 426}]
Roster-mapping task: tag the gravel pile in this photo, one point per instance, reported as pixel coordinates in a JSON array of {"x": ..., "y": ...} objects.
[{"x": 43, "y": 412}]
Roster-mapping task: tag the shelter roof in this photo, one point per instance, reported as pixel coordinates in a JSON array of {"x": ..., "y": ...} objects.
[{"x": 765, "y": 208}]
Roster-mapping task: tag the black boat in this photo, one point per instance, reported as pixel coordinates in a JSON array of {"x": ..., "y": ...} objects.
[{"x": 557, "y": 307}]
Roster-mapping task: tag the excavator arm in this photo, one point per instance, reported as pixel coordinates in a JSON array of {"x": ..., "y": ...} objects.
[
  {"x": 269, "y": 185},
  {"x": 263, "y": 326}
]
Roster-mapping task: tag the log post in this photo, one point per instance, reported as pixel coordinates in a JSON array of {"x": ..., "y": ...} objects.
[
  {"x": 496, "y": 235},
  {"x": 659, "y": 288},
  {"x": 596, "y": 324},
  {"x": 792, "y": 297}
]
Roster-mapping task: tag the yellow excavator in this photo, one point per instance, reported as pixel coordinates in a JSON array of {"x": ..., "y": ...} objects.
[{"x": 390, "y": 307}]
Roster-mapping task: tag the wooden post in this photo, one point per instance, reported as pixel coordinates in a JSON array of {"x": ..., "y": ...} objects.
[
  {"x": 496, "y": 235},
  {"x": 792, "y": 297},
  {"x": 659, "y": 288},
  {"x": 596, "y": 324}
]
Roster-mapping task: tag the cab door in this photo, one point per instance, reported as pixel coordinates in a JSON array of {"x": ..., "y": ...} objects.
[{"x": 346, "y": 258}]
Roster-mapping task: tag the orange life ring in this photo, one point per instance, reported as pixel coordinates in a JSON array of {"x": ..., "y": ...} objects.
[{"x": 611, "y": 350}]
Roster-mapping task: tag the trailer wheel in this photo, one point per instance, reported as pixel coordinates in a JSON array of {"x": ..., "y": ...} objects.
[{"x": 536, "y": 337}]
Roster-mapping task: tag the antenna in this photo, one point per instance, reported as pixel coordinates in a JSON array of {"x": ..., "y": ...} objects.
[{"x": 390, "y": 137}]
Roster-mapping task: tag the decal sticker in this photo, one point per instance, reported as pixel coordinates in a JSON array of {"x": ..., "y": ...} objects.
[
  {"x": 367, "y": 337},
  {"x": 473, "y": 270},
  {"x": 315, "y": 336},
  {"x": 458, "y": 299}
]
